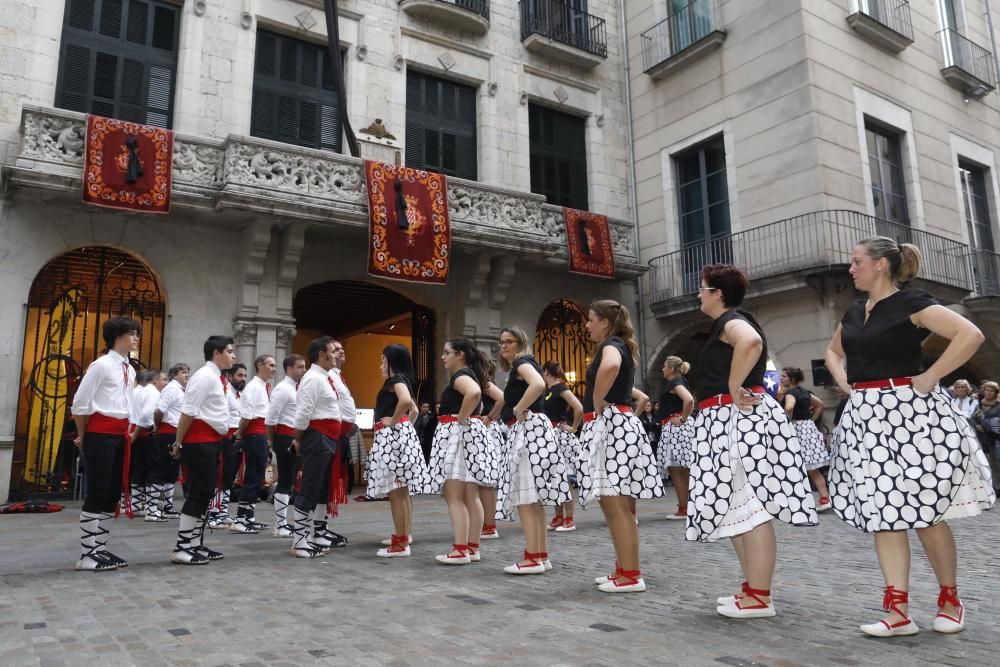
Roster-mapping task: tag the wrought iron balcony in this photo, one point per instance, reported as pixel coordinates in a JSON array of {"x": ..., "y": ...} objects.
[
  {"x": 560, "y": 31},
  {"x": 467, "y": 15},
  {"x": 685, "y": 36},
  {"x": 967, "y": 66},
  {"x": 984, "y": 266},
  {"x": 295, "y": 183},
  {"x": 807, "y": 244},
  {"x": 886, "y": 23}
]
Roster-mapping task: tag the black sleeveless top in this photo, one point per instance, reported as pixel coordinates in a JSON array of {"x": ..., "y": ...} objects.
[
  {"x": 803, "y": 403},
  {"x": 488, "y": 404},
  {"x": 555, "y": 406},
  {"x": 670, "y": 403},
  {"x": 514, "y": 390},
  {"x": 451, "y": 398},
  {"x": 386, "y": 400},
  {"x": 716, "y": 357},
  {"x": 621, "y": 390},
  {"x": 889, "y": 345}
]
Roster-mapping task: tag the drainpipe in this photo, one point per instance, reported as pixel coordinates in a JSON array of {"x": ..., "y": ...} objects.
[
  {"x": 993, "y": 41},
  {"x": 640, "y": 312}
]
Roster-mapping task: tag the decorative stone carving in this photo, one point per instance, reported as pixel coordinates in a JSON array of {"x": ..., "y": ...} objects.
[
  {"x": 197, "y": 164},
  {"x": 398, "y": 61},
  {"x": 305, "y": 19},
  {"x": 199, "y": 7},
  {"x": 244, "y": 333},
  {"x": 491, "y": 89},
  {"x": 599, "y": 120},
  {"x": 447, "y": 60},
  {"x": 561, "y": 94},
  {"x": 284, "y": 337},
  {"x": 361, "y": 51},
  {"x": 623, "y": 239},
  {"x": 294, "y": 173},
  {"x": 377, "y": 129},
  {"x": 53, "y": 138}
]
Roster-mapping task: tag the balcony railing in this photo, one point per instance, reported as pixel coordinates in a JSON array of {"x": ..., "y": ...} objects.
[
  {"x": 481, "y": 7},
  {"x": 893, "y": 14},
  {"x": 471, "y": 16},
  {"x": 984, "y": 266},
  {"x": 561, "y": 22},
  {"x": 967, "y": 65},
  {"x": 679, "y": 32},
  {"x": 815, "y": 241}
]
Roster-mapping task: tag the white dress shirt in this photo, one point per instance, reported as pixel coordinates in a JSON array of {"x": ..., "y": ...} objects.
[
  {"x": 965, "y": 406},
  {"x": 205, "y": 398},
  {"x": 282, "y": 407},
  {"x": 143, "y": 405},
  {"x": 316, "y": 398},
  {"x": 106, "y": 387},
  {"x": 348, "y": 411},
  {"x": 233, "y": 398},
  {"x": 170, "y": 401},
  {"x": 254, "y": 399}
]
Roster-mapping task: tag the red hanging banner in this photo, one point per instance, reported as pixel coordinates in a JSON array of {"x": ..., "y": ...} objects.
[
  {"x": 588, "y": 240},
  {"x": 409, "y": 229},
  {"x": 127, "y": 165}
]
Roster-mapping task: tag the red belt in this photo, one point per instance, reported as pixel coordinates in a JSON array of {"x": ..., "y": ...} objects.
[
  {"x": 98, "y": 423},
  {"x": 328, "y": 427},
  {"x": 891, "y": 383},
  {"x": 231, "y": 432},
  {"x": 256, "y": 427},
  {"x": 622, "y": 407},
  {"x": 139, "y": 431},
  {"x": 281, "y": 429},
  {"x": 666, "y": 420},
  {"x": 379, "y": 425},
  {"x": 450, "y": 419},
  {"x": 201, "y": 432},
  {"x": 725, "y": 399},
  {"x": 166, "y": 428}
]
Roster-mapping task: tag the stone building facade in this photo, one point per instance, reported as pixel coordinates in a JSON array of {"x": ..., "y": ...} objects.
[{"x": 254, "y": 220}]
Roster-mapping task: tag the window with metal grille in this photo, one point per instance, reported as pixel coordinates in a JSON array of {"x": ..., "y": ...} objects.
[
  {"x": 294, "y": 93},
  {"x": 440, "y": 125},
  {"x": 118, "y": 58},
  {"x": 558, "y": 156},
  {"x": 976, "y": 204},
  {"x": 703, "y": 207},
  {"x": 885, "y": 163}
]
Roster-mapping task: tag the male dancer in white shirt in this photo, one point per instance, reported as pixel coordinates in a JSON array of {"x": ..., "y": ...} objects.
[
  {"x": 101, "y": 411},
  {"x": 280, "y": 423},
  {"x": 166, "y": 469},
  {"x": 218, "y": 512},
  {"x": 317, "y": 425},
  {"x": 144, "y": 397},
  {"x": 254, "y": 403},
  {"x": 204, "y": 422},
  {"x": 348, "y": 415}
]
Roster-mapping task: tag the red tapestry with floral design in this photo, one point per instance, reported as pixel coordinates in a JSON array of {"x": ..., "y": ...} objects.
[
  {"x": 409, "y": 229},
  {"x": 588, "y": 239},
  {"x": 127, "y": 165}
]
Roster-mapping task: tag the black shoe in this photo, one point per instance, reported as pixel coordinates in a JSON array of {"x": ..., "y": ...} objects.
[
  {"x": 336, "y": 539},
  {"x": 210, "y": 554},
  {"x": 111, "y": 558}
]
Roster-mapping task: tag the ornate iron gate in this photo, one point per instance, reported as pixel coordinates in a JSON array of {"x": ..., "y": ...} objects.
[
  {"x": 424, "y": 353},
  {"x": 561, "y": 335},
  {"x": 69, "y": 300}
]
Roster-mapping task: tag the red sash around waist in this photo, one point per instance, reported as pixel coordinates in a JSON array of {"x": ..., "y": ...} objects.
[
  {"x": 591, "y": 416},
  {"x": 890, "y": 383},
  {"x": 99, "y": 423},
  {"x": 281, "y": 429},
  {"x": 666, "y": 420},
  {"x": 725, "y": 399},
  {"x": 328, "y": 427},
  {"x": 165, "y": 428},
  {"x": 256, "y": 427},
  {"x": 379, "y": 425},
  {"x": 139, "y": 431},
  {"x": 451, "y": 419},
  {"x": 201, "y": 433}
]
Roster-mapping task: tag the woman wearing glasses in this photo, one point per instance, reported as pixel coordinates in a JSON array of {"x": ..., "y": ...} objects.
[
  {"x": 905, "y": 460},
  {"x": 747, "y": 468},
  {"x": 537, "y": 473},
  {"x": 617, "y": 464}
]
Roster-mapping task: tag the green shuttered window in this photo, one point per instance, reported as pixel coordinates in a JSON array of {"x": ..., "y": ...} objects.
[
  {"x": 440, "y": 125},
  {"x": 558, "y": 156}
]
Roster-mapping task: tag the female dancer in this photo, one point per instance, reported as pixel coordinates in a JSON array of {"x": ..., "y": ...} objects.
[
  {"x": 492, "y": 397},
  {"x": 747, "y": 467},
  {"x": 396, "y": 464},
  {"x": 676, "y": 450},
  {"x": 905, "y": 460},
  {"x": 537, "y": 473},
  {"x": 565, "y": 411},
  {"x": 617, "y": 464},
  {"x": 460, "y": 449},
  {"x": 804, "y": 409}
]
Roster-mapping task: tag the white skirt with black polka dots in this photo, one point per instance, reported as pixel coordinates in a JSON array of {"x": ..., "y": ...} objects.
[
  {"x": 616, "y": 459},
  {"x": 537, "y": 469},
  {"x": 676, "y": 448},
  {"x": 461, "y": 453},
  {"x": 745, "y": 462},
  {"x": 396, "y": 461},
  {"x": 569, "y": 449},
  {"x": 812, "y": 443},
  {"x": 906, "y": 460}
]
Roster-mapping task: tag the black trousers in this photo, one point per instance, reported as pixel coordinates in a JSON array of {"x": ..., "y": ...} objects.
[
  {"x": 103, "y": 456},
  {"x": 316, "y": 451},
  {"x": 230, "y": 452},
  {"x": 254, "y": 467},
  {"x": 201, "y": 472},
  {"x": 142, "y": 461},
  {"x": 284, "y": 454},
  {"x": 165, "y": 468},
  {"x": 347, "y": 470}
]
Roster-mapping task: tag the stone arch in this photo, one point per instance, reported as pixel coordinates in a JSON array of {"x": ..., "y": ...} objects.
[{"x": 561, "y": 335}]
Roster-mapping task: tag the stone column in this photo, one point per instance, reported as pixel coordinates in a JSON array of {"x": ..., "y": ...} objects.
[
  {"x": 283, "y": 345},
  {"x": 245, "y": 336}
]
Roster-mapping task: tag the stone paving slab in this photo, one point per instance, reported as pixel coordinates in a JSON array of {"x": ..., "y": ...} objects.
[{"x": 261, "y": 607}]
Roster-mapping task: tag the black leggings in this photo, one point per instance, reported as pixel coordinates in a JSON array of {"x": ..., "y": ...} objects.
[
  {"x": 316, "y": 450},
  {"x": 142, "y": 461},
  {"x": 230, "y": 461},
  {"x": 284, "y": 453},
  {"x": 165, "y": 468},
  {"x": 254, "y": 466},
  {"x": 103, "y": 456},
  {"x": 201, "y": 472}
]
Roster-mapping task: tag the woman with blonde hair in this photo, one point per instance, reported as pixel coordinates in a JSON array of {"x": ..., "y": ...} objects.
[
  {"x": 804, "y": 409},
  {"x": 676, "y": 448},
  {"x": 905, "y": 459},
  {"x": 964, "y": 403},
  {"x": 617, "y": 463}
]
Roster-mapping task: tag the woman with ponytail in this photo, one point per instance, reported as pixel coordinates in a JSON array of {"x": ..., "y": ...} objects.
[
  {"x": 617, "y": 464},
  {"x": 497, "y": 441},
  {"x": 905, "y": 460},
  {"x": 460, "y": 452},
  {"x": 804, "y": 409},
  {"x": 565, "y": 411},
  {"x": 676, "y": 450},
  {"x": 396, "y": 464}
]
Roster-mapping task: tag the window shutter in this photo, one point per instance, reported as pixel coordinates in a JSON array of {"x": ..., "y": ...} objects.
[
  {"x": 558, "y": 156},
  {"x": 263, "y": 122},
  {"x": 440, "y": 125},
  {"x": 105, "y": 75},
  {"x": 164, "y": 28},
  {"x": 138, "y": 16},
  {"x": 75, "y": 89},
  {"x": 111, "y": 18},
  {"x": 266, "y": 57},
  {"x": 80, "y": 15}
]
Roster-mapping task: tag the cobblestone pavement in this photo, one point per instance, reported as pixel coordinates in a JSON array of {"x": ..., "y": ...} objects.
[{"x": 261, "y": 607}]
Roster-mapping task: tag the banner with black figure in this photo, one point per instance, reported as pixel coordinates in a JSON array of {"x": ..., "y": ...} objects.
[{"x": 588, "y": 240}]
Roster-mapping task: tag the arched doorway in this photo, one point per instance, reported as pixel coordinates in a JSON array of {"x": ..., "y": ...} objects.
[
  {"x": 69, "y": 300},
  {"x": 561, "y": 335},
  {"x": 366, "y": 317}
]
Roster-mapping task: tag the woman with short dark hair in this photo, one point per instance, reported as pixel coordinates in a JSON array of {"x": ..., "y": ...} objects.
[{"x": 804, "y": 408}]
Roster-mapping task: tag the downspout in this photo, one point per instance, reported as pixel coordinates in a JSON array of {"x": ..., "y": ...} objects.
[
  {"x": 639, "y": 309},
  {"x": 993, "y": 41}
]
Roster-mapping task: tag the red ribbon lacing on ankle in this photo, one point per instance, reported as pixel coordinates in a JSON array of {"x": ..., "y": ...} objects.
[
  {"x": 473, "y": 547},
  {"x": 462, "y": 549},
  {"x": 893, "y": 596},
  {"x": 948, "y": 595},
  {"x": 126, "y": 498},
  {"x": 754, "y": 593},
  {"x": 627, "y": 577},
  {"x": 398, "y": 543}
]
